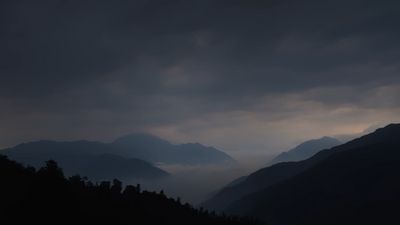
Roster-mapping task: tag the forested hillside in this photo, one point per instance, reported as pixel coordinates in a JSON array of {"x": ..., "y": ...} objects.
[{"x": 46, "y": 196}]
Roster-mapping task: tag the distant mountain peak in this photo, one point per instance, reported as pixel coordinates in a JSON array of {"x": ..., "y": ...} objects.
[
  {"x": 156, "y": 150},
  {"x": 306, "y": 149},
  {"x": 266, "y": 177},
  {"x": 142, "y": 137},
  {"x": 323, "y": 138},
  {"x": 327, "y": 138},
  {"x": 93, "y": 159},
  {"x": 346, "y": 181},
  {"x": 143, "y": 146}
]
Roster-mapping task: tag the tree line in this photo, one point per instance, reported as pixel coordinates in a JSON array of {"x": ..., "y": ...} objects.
[{"x": 46, "y": 196}]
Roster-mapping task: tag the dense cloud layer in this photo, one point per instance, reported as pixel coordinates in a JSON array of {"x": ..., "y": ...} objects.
[{"x": 239, "y": 74}]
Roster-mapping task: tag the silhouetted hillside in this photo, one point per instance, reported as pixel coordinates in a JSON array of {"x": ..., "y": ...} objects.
[
  {"x": 92, "y": 159},
  {"x": 125, "y": 158},
  {"x": 156, "y": 150},
  {"x": 358, "y": 186},
  {"x": 277, "y": 173},
  {"x": 306, "y": 150},
  {"x": 120, "y": 157},
  {"x": 220, "y": 199},
  {"x": 47, "y": 197}
]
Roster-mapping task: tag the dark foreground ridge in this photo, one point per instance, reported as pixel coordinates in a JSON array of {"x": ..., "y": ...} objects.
[
  {"x": 273, "y": 175},
  {"x": 354, "y": 183},
  {"x": 46, "y": 196}
]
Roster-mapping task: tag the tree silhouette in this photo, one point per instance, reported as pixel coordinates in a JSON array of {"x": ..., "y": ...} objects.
[{"x": 47, "y": 197}]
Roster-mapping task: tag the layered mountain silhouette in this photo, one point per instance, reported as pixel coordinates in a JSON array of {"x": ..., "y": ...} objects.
[
  {"x": 234, "y": 191},
  {"x": 128, "y": 157},
  {"x": 300, "y": 152},
  {"x": 92, "y": 159},
  {"x": 306, "y": 150},
  {"x": 354, "y": 183},
  {"x": 157, "y": 150},
  {"x": 46, "y": 196},
  {"x": 276, "y": 173}
]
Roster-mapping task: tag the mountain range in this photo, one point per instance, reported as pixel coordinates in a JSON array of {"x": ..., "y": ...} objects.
[
  {"x": 354, "y": 183},
  {"x": 233, "y": 191},
  {"x": 91, "y": 159},
  {"x": 157, "y": 150},
  {"x": 306, "y": 150},
  {"x": 128, "y": 157}
]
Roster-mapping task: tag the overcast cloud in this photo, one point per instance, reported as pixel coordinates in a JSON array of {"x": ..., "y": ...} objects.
[{"x": 242, "y": 75}]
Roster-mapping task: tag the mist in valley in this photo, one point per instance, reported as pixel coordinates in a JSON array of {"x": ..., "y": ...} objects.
[{"x": 194, "y": 184}]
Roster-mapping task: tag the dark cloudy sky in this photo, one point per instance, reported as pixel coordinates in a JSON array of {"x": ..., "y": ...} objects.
[{"x": 242, "y": 75}]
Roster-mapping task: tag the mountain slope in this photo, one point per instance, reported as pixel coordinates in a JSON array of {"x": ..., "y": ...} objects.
[
  {"x": 357, "y": 186},
  {"x": 125, "y": 158},
  {"x": 92, "y": 159},
  {"x": 45, "y": 196},
  {"x": 156, "y": 150},
  {"x": 274, "y": 174},
  {"x": 248, "y": 184},
  {"x": 221, "y": 198},
  {"x": 306, "y": 150}
]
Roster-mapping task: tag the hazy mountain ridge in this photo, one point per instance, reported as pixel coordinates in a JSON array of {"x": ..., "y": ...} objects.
[
  {"x": 239, "y": 188},
  {"x": 306, "y": 150},
  {"x": 359, "y": 185},
  {"x": 274, "y": 174},
  {"x": 92, "y": 159},
  {"x": 128, "y": 157},
  {"x": 156, "y": 150}
]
